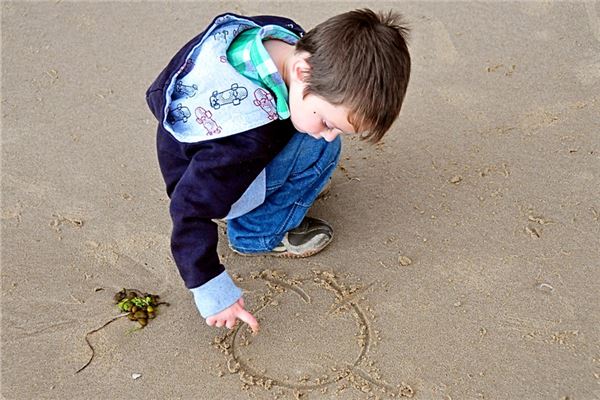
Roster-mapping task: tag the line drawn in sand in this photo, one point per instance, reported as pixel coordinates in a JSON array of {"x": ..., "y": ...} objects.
[{"x": 358, "y": 371}]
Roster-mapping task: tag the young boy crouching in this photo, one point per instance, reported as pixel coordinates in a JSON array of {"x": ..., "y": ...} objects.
[{"x": 251, "y": 113}]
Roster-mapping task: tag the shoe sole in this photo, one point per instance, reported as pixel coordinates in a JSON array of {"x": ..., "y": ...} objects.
[{"x": 285, "y": 254}]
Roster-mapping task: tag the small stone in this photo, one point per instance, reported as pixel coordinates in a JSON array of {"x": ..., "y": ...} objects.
[
  {"x": 135, "y": 376},
  {"x": 92, "y": 244},
  {"x": 455, "y": 179},
  {"x": 404, "y": 261}
]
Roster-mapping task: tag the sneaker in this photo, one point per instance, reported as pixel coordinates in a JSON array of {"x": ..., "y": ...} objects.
[{"x": 312, "y": 236}]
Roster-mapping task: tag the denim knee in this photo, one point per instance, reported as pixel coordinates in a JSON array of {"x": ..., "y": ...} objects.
[
  {"x": 302, "y": 155},
  {"x": 317, "y": 173},
  {"x": 317, "y": 154},
  {"x": 331, "y": 154}
]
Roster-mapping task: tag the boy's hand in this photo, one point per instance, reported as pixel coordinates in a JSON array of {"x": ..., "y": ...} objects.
[{"x": 229, "y": 316}]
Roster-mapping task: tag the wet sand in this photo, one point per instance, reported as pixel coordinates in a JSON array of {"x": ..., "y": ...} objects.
[{"x": 466, "y": 259}]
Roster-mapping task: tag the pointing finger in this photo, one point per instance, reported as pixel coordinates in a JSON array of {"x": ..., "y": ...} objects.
[{"x": 249, "y": 319}]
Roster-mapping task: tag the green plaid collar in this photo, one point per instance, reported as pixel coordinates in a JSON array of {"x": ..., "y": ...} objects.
[{"x": 250, "y": 58}]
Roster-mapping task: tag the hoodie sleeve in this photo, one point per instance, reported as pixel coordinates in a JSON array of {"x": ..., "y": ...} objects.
[
  {"x": 202, "y": 189},
  {"x": 205, "y": 191},
  {"x": 203, "y": 180}
]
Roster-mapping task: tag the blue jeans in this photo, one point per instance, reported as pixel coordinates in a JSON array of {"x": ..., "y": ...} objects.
[{"x": 295, "y": 177}]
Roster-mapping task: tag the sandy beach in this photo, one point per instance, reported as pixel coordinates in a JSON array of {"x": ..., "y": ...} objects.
[{"x": 466, "y": 261}]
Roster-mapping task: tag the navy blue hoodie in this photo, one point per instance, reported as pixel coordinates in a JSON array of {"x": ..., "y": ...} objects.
[{"x": 204, "y": 179}]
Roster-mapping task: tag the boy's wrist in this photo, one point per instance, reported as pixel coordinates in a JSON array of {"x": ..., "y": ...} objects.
[{"x": 216, "y": 295}]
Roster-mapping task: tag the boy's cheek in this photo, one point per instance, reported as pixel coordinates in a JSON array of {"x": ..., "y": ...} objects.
[{"x": 299, "y": 127}]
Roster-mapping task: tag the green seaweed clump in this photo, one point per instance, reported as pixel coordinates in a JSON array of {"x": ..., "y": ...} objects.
[{"x": 140, "y": 307}]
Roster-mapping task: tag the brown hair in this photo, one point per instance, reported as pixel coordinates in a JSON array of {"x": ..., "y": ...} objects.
[{"x": 360, "y": 60}]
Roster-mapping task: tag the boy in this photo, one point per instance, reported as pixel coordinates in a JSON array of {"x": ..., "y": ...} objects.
[{"x": 250, "y": 112}]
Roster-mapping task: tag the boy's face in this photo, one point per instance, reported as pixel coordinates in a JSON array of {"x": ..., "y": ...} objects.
[{"x": 314, "y": 115}]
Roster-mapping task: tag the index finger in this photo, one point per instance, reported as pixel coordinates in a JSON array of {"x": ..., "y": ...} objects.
[{"x": 249, "y": 319}]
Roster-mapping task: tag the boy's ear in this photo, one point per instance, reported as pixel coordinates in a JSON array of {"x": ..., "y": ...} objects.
[{"x": 301, "y": 69}]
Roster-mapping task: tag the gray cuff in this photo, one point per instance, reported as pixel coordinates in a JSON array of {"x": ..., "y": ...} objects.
[{"x": 216, "y": 295}]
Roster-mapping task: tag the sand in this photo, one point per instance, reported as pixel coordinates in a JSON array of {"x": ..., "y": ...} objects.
[{"x": 466, "y": 262}]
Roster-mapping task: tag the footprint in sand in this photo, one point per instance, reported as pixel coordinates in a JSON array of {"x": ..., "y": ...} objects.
[{"x": 315, "y": 336}]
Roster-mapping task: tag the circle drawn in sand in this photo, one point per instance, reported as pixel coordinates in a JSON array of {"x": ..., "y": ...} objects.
[{"x": 346, "y": 368}]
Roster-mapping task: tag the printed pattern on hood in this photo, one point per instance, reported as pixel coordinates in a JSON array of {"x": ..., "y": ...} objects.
[{"x": 201, "y": 97}]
